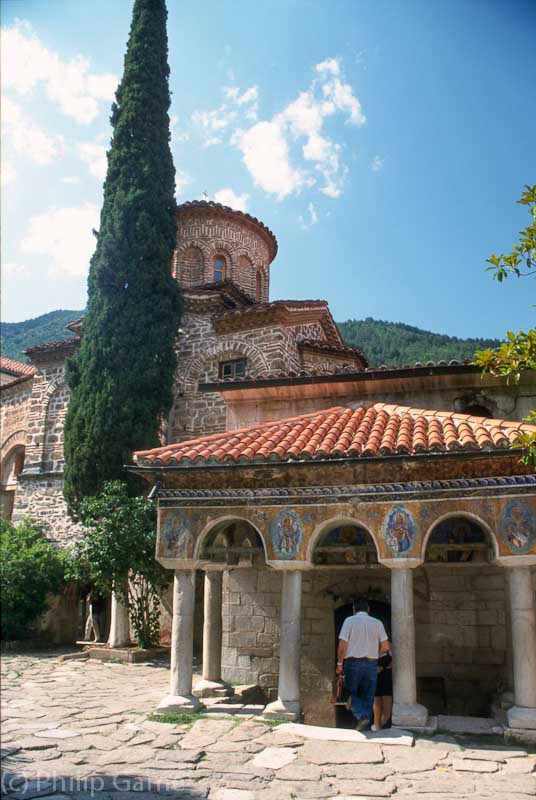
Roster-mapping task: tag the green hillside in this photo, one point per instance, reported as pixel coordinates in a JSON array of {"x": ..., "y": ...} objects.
[
  {"x": 397, "y": 343},
  {"x": 382, "y": 342},
  {"x": 17, "y": 336}
]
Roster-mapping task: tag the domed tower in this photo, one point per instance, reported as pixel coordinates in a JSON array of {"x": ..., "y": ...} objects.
[{"x": 216, "y": 244}]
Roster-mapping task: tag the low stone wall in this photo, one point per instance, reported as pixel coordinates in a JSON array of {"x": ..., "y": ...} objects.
[{"x": 463, "y": 651}]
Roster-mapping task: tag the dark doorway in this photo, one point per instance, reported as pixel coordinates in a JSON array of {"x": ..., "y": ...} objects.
[{"x": 380, "y": 609}]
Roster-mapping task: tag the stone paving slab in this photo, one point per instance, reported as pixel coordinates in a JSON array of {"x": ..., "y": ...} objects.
[{"x": 102, "y": 711}]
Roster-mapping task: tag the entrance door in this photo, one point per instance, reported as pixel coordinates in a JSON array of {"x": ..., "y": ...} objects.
[{"x": 382, "y": 611}]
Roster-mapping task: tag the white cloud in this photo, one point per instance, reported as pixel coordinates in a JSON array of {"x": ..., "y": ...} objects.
[
  {"x": 265, "y": 153},
  {"x": 228, "y": 198},
  {"x": 7, "y": 172},
  {"x": 25, "y": 137},
  {"x": 376, "y": 164},
  {"x": 267, "y": 146},
  {"x": 181, "y": 181},
  {"x": 12, "y": 270},
  {"x": 214, "y": 123},
  {"x": 94, "y": 155},
  {"x": 70, "y": 179},
  {"x": 64, "y": 236},
  {"x": 26, "y": 63},
  {"x": 312, "y": 218},
  {"x": 330, "y": 66}
]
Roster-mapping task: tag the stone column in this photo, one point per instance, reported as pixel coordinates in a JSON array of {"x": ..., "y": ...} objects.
[
  {"x": 523, "y": 625},
  {"x": 180, "y": 696},
  {"x": 119, "y": 635},
  {"x": 287, "y": 705},
  {"x": 211, "y": 682},
  {"x": 406, "y": 711}
]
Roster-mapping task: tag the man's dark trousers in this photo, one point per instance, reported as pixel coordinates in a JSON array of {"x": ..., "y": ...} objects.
[{"x": 360, "y": 676}]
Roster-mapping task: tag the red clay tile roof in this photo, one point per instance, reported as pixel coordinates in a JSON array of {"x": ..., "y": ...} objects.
[
  {"x": 371, "y": 430},
  {"x": 72, "y": 341},
  {"x": 210, "y": 205},
  {"x": 14, "y": 367}
]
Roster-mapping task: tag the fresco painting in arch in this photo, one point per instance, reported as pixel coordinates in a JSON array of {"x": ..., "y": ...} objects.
[
  {"x": 457, "y": 539},
  {"x": 176, "y": 540},
  {"x": 518, "y": 527},
  {"x": 399, "y": 530},
  {"x": 286, "y": 533}
]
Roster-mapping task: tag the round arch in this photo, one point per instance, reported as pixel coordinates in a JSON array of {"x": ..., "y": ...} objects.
[
  {"x": 329, "y": 525},
  {"x": 180, "y": 252},
  {"x": 220, "y": 248},
  {"x": 17, "y": 439},
  {"x": 226, "y": 520},
  {"x": 223, "y": 352},
  {"x": 460, "y": 515}
]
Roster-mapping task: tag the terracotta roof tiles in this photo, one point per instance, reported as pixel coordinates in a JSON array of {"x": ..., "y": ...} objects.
[
  {"x": 15, "y": 367},
  {"x": 372, "y": 431}
]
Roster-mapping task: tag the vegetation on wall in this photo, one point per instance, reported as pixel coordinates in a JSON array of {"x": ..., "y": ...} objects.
[
  {"x": 518, "y": 352},
  {"x": 116, "y": 554},
  {"x": 122, "y": 376},
  {"x": 30, "y": 568}
]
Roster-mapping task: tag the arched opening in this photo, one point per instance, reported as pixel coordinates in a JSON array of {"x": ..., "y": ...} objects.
[
  {"x": 11, "y": 468},
  {"x": 233, "y": 543},
  {"x": 457, "y": 540},
  {"x": 345, "y": 544},
  {"x": 190, "y": 267},
  {"x": 463, "y": 651},
  {"x": 218, "y": 268},
  {"x": 258, "y": 286}
]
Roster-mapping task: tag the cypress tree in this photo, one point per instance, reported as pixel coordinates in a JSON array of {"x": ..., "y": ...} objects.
[{"x": 122, "y": 376}]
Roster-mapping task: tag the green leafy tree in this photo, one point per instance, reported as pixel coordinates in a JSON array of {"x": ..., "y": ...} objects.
[
  {"x": 30, "y": 568},
  {"x": 518, "y": 353},
  {"x": 116, "y": 554},
  {"x": 122, "y": 376}
]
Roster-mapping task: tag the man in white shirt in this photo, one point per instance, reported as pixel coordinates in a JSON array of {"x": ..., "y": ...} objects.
[{"x": 361, "y": 640}]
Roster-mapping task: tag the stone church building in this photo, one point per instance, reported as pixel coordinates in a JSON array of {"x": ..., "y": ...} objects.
[{"x": 294, "y": 475}]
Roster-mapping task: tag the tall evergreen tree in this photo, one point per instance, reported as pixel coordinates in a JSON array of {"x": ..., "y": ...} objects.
[{"x": 122, "y": 376}]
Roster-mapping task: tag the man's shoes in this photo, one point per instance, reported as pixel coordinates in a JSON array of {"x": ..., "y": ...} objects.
[{"x": 362, "y": 724}]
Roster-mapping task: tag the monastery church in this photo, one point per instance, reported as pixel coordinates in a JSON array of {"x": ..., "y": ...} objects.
[{"x": 292, "y": 476}]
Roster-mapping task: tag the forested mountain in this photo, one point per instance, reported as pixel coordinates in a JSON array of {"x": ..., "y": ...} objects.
[
  {"x": 398, "y": 343},
  {"x": 17, "y": 336},
  {"x": 382, "y": 342}
]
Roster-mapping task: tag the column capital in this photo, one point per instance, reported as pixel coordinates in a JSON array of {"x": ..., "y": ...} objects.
[
  {"x": 401, "y": 563},
  {"x": 290, "y": 566},
  {"x": 527, "y": 560}
]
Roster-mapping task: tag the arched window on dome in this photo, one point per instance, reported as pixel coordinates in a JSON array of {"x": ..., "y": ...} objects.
[
  {"x": 258, "y": 286},
  {"x": 218, "y": 272}
]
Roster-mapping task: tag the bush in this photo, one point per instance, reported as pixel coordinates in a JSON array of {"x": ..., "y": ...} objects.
[
  {"x": 116, "y": 553},
  {"x": 30, "y": 568}
]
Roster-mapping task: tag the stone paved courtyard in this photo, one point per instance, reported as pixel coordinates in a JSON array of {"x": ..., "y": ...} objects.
[{"x": 80, "y": 728}]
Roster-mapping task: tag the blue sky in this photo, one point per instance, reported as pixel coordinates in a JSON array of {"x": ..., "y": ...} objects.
[{"x": 384, "y": 143}]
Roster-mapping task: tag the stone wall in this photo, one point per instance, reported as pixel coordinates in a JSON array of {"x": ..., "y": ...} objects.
[
  {"x": 41, "y": 495},
  {"x": 239, "y": 244},
  {"x": 268, "y": 351},
  {"x": 504, "y": 402},
  {"x": 463, "y": 651}
]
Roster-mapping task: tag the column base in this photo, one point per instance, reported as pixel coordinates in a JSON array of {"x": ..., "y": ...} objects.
[
  {"x": 205, "y": 688},
  {"x": 289, "y": 710},
  {"x": 179, "y": 702},
  {"x": 407, "y": 715},
  {"x": 519, "y": 717}
]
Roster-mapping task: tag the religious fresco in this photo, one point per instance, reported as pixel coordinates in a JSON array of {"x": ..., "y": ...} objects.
[
  {"x": 517, "y": 526},
  {"x": 346, "y": 544},
  {"x": 399, "y": 530},
  {"x": 175, "y": 539},
  {"x": 458, "y": 539},
  {"x": 286, "y": 533}
]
